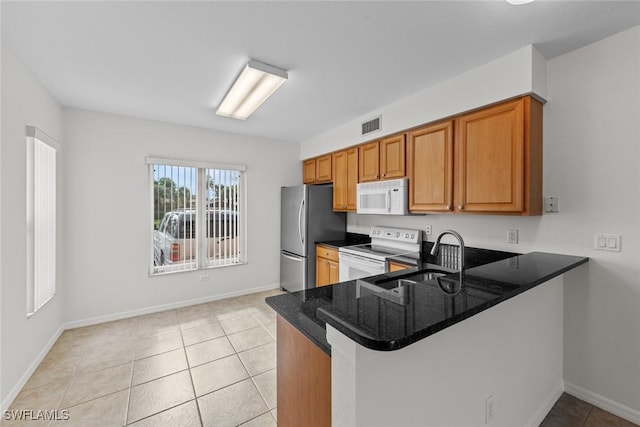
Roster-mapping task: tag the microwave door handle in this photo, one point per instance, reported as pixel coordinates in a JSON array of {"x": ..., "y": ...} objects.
[{"x": 388, "y": 200}]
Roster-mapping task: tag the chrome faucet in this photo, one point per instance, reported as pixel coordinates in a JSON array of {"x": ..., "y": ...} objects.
[{"x": 436, "y": 247}]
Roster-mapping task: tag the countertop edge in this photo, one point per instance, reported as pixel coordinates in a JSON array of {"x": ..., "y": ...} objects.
[{"x": 392, "y": 345}]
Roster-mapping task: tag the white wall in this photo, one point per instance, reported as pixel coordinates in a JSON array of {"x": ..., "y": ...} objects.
[
  {"x": 24, "y": 102},
  {"x": 445, "y": 379},
  {"x": 591, "y": 152},
  {"x": 107, "y": 239},
  {"x": 517, "y": 73}
]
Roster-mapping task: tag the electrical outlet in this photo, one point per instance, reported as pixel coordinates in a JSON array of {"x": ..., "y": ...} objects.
[
  {"x": 512, "y": 235},
  {"x": 204, "y": 278},
  {"x": 427, "y": 229},
  {"x": 488, "y": 409},
  {"x": 551, "y": 204}
]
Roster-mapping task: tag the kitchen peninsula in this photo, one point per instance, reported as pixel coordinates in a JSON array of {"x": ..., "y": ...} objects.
[{"x": 434, "y": 354}]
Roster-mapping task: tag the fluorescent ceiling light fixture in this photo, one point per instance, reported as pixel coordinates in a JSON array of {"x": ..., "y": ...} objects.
[
  {"x": 256, "y": 83},
  {"x": 519, "y": 2}
]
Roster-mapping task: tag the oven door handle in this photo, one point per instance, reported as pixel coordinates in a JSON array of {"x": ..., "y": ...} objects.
[{"x": 356, "y": 259}]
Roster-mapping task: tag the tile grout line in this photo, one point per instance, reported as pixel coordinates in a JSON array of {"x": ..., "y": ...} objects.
[{"x": 193, "y": 386}]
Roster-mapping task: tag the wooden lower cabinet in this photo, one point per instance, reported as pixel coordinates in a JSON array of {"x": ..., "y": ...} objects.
[
  {"x": 303, "y": 378},
  {"x": 327, "y": 266},
  {"x": 396, "y": 266}
]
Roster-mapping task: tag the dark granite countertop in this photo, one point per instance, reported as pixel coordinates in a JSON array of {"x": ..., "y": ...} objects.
[
  {"x": 380, "y": 320},
  {"x": 349, "y": 240}
]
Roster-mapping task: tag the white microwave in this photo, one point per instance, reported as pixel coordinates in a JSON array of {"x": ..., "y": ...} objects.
[{"x": 383, "y": 197}]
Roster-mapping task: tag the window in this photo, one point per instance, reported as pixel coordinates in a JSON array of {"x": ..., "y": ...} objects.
[
  {"x": 198, "y": 215},
  {"x": 41, "y": 219}
]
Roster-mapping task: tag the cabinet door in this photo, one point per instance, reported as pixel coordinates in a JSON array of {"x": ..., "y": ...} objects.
[
  {"x": 340, "y": 181},
  {"x": 309, "y": 171},
  {"x": 352, "y": 179},
  {"x": 369, "y": 162},
  {"x": 334, "y": 272},
  {"x": 345, "y": 179},
  {"x": 392, "y": 158},
  {"x": 322, "y": 272},
  {"x": 490, "y": 159},
  {"x": 431, "y": 168},
  {"x": 303, "y": 378},
  {"x": 323, "y": 169}
]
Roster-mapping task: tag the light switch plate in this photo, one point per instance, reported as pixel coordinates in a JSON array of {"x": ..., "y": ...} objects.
[{"x": 608, "y": 242}]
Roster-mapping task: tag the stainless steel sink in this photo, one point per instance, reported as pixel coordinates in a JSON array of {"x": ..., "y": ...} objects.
[{"x": 396, "y": 290}]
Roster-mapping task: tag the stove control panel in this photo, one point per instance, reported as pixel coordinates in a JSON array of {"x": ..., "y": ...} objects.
[{"x": 404, "y": 235}]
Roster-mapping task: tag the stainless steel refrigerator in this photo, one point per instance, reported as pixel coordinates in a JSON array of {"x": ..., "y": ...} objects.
[{"x": 306, "y": 217}]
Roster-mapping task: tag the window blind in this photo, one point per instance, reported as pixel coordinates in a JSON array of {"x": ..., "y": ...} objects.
[
  {"x": 41, "y": 219},
  {"x": 198, "y": 215}
]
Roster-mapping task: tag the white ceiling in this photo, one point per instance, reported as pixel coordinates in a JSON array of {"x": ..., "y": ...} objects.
[{"x": 174, "y": 60}]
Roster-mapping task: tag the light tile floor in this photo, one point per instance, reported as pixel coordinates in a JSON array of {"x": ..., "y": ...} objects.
[{"x": 203, "y": 365}]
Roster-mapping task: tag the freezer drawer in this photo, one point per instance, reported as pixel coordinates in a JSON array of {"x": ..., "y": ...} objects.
[{"x": 293, "y": 272}]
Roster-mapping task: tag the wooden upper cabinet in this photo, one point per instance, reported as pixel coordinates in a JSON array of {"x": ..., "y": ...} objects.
[
  {"x": 323, "y": 169},
  {"x": 345, "y": 180},
  {"x": 317, "y": 170},
  {"x": 499, "y": 159},
  {"x": 431, "y": 168},
  {"x": 392, "y": 157},
  {"x": 369, "y": 162},
  {"x": 309, "y": 171}
]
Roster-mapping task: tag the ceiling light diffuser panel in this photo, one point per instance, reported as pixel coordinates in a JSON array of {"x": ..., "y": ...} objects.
[{"x": 256, "y": 83}]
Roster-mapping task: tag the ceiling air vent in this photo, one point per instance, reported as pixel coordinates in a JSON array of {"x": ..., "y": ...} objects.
[{"x": 371, "y": 126}]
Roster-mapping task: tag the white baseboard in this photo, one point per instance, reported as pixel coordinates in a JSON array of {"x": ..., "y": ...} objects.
[
  {"x": 546, "y": 406},
  {"x": 13, "y": 393},
  {"x": 157, "y": 308},
  {"x": 602, "y": 402},
  {"x": 108, "y": 318}
]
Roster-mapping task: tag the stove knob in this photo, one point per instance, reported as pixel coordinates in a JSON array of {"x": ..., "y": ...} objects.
[
  {"x": 406, "y": 235},
  {"x": 397, "y": 234},
  {"x": 413, "y": 235}
]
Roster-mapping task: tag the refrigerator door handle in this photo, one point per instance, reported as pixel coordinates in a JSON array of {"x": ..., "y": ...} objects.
[
  {"x": 300, "y": 222},
  {"x": 292, "y": 258}
]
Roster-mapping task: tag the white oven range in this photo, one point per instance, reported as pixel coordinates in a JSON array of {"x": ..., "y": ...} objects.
[{"x": 370, "y": 259}]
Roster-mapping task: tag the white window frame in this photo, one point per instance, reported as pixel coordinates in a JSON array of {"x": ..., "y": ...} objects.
[
  {"x": 201, "y": 230},
  {"x": 41, "y": 219}
]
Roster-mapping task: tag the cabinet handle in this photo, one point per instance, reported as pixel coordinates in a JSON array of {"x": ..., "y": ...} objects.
[
  {"x": 376, "y": 176},
  {"x": 448, "y": 207},
  {"x": 460, "y": 207},
  {"x": 384, "y": 174}
]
